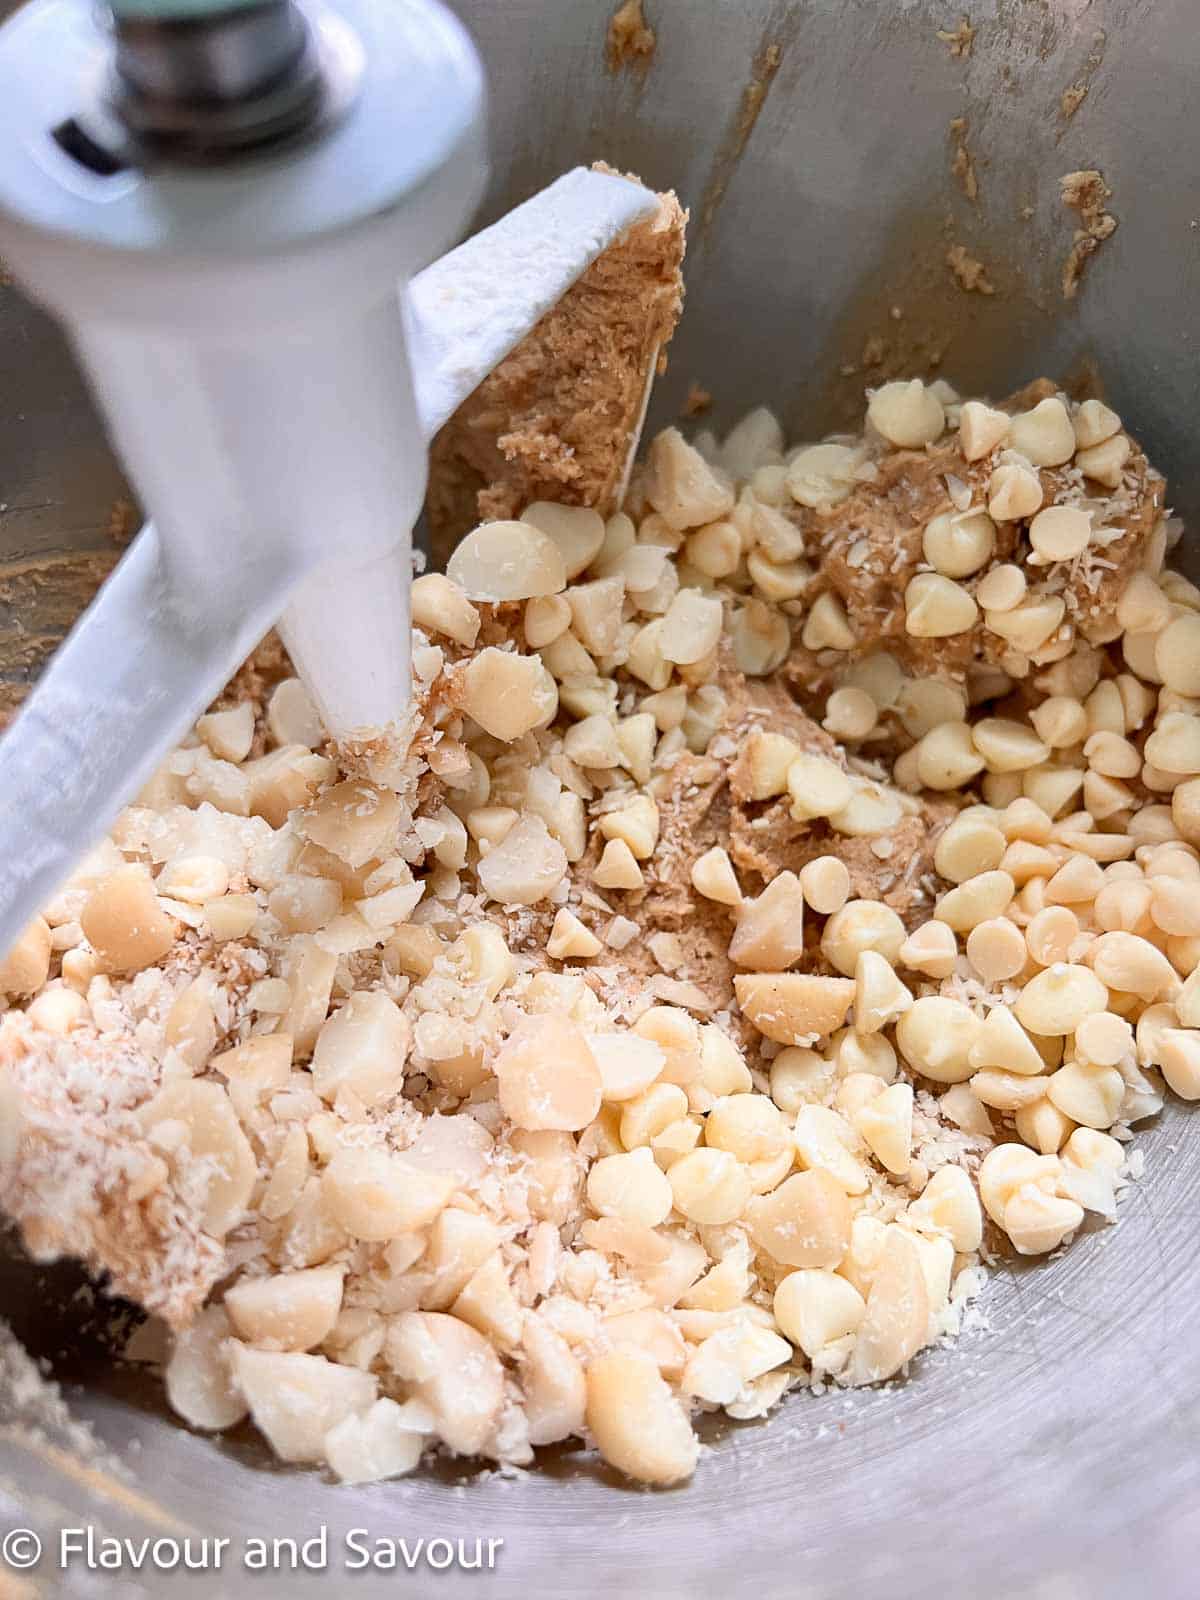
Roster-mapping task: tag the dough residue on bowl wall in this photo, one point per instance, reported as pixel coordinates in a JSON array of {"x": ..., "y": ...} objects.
[
  {"x": 1087, "y": 194},
  {"x": 631, "y": 40}
]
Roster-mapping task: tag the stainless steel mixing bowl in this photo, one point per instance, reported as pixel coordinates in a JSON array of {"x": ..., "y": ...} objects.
[{"x": 1055, "y": 1454}]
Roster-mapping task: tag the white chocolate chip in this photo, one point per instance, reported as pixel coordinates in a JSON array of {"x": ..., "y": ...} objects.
[{"x": 908, "y": 415}]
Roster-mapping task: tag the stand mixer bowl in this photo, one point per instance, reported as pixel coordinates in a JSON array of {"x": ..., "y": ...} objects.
[{"x": 1053, "y": 1452}]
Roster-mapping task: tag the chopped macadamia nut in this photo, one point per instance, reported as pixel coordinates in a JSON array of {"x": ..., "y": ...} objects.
[
  {"x": 58, "y": 1010},
  {"x": 682, "y": 487},
  {"x": 578, "y": 532},
  {"x": 1177, "y": 654},
  {"x": 716, "y": 549},
  {"x": 26, "y": 966},
  {"x": 570, "y": 939},
  {"x": 198, "y": 1375},
  {"x": 638, "y": 1425},
  {"x": 628, "y": 1063},
  {"x": 296, "y": 1399},
  {"x": 354, "y": 821},
  {"x": 896, "y": 1322},
  {"x": 769, "y": 935},
  {"x": 793, "y": 1007},
  {"x": 363, "y": 1048},
  {"x": 507, "y": 561},
  {"x": 290, "y": 1311},
  {"x": 548, "y": 1076},
  {"x": 376, "y": 1195},
  {"x": 798, "y": 1076},
  {"x": 302, "y": 904},
  {"x": 193, "y": 1120},
  {"x": 755, "y": 441},
  {"x": 386, "y": 1441},
  {"x": 431, "y": 1352},
  {"x": 710, "y": 1186},
  {"x": 121, "y": 920},
  {"x": 636, "y": 822},
  {"x": 554, "y": 1385},
  {"x": 440, "y": 606},
  {"x": 196, "y": 879},
  {"x": 525, "y": 867},
  {"x": 713, "y": 876},
  {"x": 822, "y": 475},
  {"x": 292, "y": 719},
  {"x": 229, "y": 734},
  {"x": 1006, "y": 1091},
  {"x": 691, "y": 627},
  {"x": 593, "y": 743},
  {"x": 805, "y": 1222},
  {"x": 823, "y": 1139},
  {"x": 596, "y": 614},
  {"x": 546, "y": 619},
  {"x": 508, "y": 694}
]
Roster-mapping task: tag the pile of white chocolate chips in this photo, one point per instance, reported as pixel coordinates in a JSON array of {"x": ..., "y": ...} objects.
[{"x": 784, "y": 901}]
